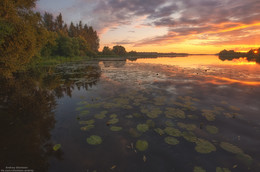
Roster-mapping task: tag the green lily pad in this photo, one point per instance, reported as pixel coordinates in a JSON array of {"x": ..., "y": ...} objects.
[
  {"x": 189, "y": 136},
  {"x": 113, "y": 121},
  {"x": 174, "y": 113},
  {"x": 87, "y": 122},
  {"x": 115, "y": 128},
  {"x": 137, "y": 115},
  {"x": 129, "y": 116},
  {"x": 160, "y": 100},
  {"x": 245, "y": 159},
  {"x": 110, "y": 105},
  {"x": 141, "y": 145},
  {"x": 192, "y": 117},
  {"x": 134, "y": 133},
  {"x": 171, "y": 140},
  {"x": 204, "y": 146},
  {"x": 113, "y": 116},
  {"x": 80, "y": 108},
  {"x": 219, "y": 169},
  {"x": 159, "y": 131},
  {"x": 85, "y": 112},
  {"x": 172, "y": 131},
  {"x": 189, "y": 127},
  {"x": 150, "y": 123},
  {"x": 88, "y": 127},
  {"x": 94, "y": 140},
  {"x": 126, "y": 107},
  {"x": 231, "y": 115},
  {"x": 208, "y": 114},
  {"x": 234, "y": 108},
  {"x": 212, "y": 129},
  {"x": 169, "y": 123},
  {"x": 198, "y": 169},
  {"x": 142, "y": 127},
  {"x": 101, "y": 115},
  {"x": 154, "y": 112},
  {"x": 231, "y": 148},
  {"x": 96, "y": 105},
  {"x": 56, "y": 147}
]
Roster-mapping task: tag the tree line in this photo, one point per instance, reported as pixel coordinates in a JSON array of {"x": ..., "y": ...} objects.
[
  {"x": 251, "y": 55},
  {"x": 26, "y": 34}
]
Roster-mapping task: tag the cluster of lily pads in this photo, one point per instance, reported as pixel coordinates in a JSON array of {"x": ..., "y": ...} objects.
[{"x": 162, "y": 115}]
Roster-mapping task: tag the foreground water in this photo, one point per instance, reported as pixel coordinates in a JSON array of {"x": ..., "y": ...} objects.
[{"x": 166, "y": 114}]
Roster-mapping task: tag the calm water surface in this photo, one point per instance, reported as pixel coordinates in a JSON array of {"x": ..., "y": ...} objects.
[{"x": 148, "y": 115}]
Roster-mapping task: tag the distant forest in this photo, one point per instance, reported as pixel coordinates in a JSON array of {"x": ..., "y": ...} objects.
[
  {"x": 26, "y": 35},
  {"x": 252, "y": 55}
]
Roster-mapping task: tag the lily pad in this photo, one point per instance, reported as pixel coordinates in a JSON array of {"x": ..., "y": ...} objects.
[
  {"x": 87, "y": 128},
  {"x": 141, "y": 145},
  {"x": 85, "y": 112},
  {"x": 245, "y": 159},
  {"x": 208, "y": 114},
  {"x": 192, "y": 117},
  {"x": 113, "y": 121},
  {"x": 231, "y": 148},
  {"x": 171, "y": 140},
  {"x": 110, "y": 105},
  {"x": 174, "y": 113},
  {"x": 189, "y": 127},
  {"x": 169, "y": 123},
  {"x": 219, "y": 169},
  {"x": 189, "y": 136},
  {"x": 56, "y": 147},
  {"x": 115, "y": 128},
  {"x": 96, "y": 105},
  {"x": 212, "y": 129},
  {"x": 172, "y": 131},
  {"x": 204, "y": 146},
  {"x": 113, "y": 116},
  {"x": 80, "y": 108},
  {"x": 142, "y": 127},
  {"x": 94, "y": 140},
  {"x": 87, "y": 122},
  {"x": 160, "y": 100},
  {"x": 137, "y": 115},
  {"x": 154, "y": 112},
  {"x": 101, "y": 115},
  {"x": 198, "y": 169},
  {"x": 150, "y": 123},
  {"x": 129, "y": 116},
  {"x": 234, "y": 108},
  {"x": 159, "y": 131}
]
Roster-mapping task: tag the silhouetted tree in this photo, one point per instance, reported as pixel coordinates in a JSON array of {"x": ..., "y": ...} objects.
[{"x": 119, "y": 50}]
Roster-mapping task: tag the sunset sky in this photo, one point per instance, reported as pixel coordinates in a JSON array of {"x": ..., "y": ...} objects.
[{"x": 191, "y": 26}]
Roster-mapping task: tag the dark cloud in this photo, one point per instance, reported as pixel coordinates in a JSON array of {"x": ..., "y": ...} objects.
[
  {"x": 123, "y": 42},
  {"x": 181, "y": 17}
]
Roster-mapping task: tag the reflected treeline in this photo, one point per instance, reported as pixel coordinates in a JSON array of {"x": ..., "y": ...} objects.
[
  {"x": 252, "y": 55},
  {"x": 118, "y": 63},
  {"x": 27, "y": 103},
  {"x": 26, "y": 121}
]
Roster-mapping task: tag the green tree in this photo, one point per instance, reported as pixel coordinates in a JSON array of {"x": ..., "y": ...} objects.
[
  {"x": 59, "y": 23},
  {"x": 119, "y": 50},
  {"x": 48, "y": 21},
  {"x": 21, "y": 34},
  {"x": 107, "y": 51}
]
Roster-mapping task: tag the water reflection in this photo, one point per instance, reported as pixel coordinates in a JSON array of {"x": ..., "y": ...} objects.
[
  {"x": 27, "y": 104},
  {"x": 26, "y": 121}
]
